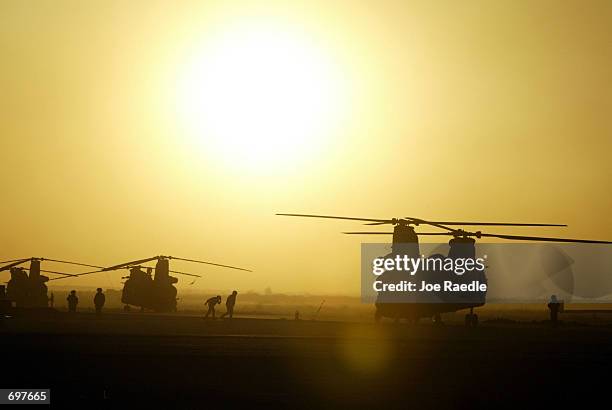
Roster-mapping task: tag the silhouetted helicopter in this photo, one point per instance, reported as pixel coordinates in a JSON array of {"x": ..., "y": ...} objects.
[
  {"x": 462, "y": 245},
  {"x": 29, "y": 290},
  {"x": 154, "y": 291}
]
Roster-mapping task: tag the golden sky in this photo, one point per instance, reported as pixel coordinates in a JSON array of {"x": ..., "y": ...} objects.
[{"x": 130, "y": 129}]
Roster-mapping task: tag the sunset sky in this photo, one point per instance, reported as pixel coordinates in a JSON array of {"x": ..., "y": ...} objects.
[{"x": 133, "y": 129}]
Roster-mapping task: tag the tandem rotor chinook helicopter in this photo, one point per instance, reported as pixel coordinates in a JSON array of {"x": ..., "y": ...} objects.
[
  {"x": 462, "y": 245},
  {"x": 29, "y": 290},
  {"x": 148, "y": 290}
]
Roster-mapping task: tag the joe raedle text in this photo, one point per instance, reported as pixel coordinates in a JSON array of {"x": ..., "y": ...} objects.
[
  {"x": 427, "y": 274},
  {"x": 423, "y": 286}
]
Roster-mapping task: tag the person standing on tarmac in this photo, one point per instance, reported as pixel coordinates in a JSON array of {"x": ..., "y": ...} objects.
[
  {"x": 73, "y": 301},
  {"x": 554, "y": 306},
  {"x": 230, "y": 302},
  {"x": 99, "y": 300}
]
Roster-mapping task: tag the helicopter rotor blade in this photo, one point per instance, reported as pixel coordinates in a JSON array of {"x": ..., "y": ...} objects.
[
  {"x": 374, "y": 221},
  {"x": 381, "y": 221},
  {"x": 15, "y": 260},
  {"x": 367, "y": 233},
  {"x": 496, "y": 224},
  {"x": 534, "y": 238},
  {"x": 137, "y": 263},
  {"x": 10, "y": 265},
  {"x": 456, "y": 223},
  {"x": 439, "y": 224},
  {"x": 72, "y": 263},
  {"x": 174, "y": 271},
  {"x": 185, "y": 273},
  {"x": 77, "y": 274},
  {"x": 123, "y": 265},
  {"x": 59, "y": 273},
  {"x": 209, "y": 263},
  {"x": 490, "y": 235},
  {"x": 391, "y": 233},
  {"x": 431, "y": 223}
]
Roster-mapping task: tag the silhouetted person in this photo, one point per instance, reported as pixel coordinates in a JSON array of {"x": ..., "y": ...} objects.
[
  {"x": 230, "y": 302},
  {"x": 554, "y": 306},
  {"x": 73, "y": 301},
  {"x": 99, "y": 300},
  {"x": 51, "y": 300},
  {"x": 211, "y": 305}
]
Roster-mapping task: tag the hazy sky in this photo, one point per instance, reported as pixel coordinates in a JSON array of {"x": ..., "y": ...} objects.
[{"x": 130, "y": 129}]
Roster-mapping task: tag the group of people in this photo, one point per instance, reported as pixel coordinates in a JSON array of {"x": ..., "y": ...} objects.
[
  {"x": 230, "y": 302},
  {"x": 99, "y": 300}
]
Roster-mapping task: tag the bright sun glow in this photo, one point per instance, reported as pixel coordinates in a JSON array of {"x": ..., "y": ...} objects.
[{"x": 261, "y": 97}]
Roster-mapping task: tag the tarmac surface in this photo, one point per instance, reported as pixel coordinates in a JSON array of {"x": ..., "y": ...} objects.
[{"x": 172, "y": 361}]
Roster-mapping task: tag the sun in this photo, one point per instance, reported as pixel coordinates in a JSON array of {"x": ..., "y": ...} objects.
[{"x": 261, "y": 97}]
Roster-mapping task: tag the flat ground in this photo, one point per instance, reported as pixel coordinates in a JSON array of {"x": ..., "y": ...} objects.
[{"x": 186, "y": 362}]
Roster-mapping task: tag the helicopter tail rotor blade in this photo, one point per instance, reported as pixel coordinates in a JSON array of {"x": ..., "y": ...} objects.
[{"x": 209, "y": 263}]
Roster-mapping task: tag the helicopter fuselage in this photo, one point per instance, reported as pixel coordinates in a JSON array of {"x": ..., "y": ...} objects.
[{"x": 451, "y": 295}]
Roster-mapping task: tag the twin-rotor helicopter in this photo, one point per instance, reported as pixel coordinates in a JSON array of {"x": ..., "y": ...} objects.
[
  {"x": 405, "y": 241},
  {"x": 152, "y": 287},
  {"x": 146, "y": 287}
]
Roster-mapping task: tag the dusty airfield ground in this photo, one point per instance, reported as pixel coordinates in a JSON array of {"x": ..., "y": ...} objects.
[{"x": 185, "y": 362}]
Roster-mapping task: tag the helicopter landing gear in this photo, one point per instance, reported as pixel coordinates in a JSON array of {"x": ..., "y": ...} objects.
[{"x": 471, "y": 319}]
